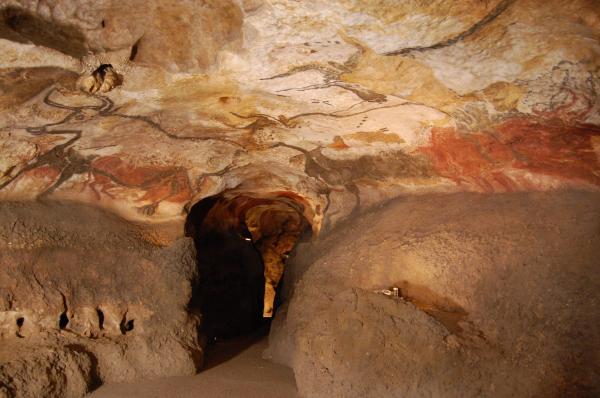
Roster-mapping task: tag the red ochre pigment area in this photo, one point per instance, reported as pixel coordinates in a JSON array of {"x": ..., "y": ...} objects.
[
  {"x": 160, "y": 183},
  {"x": 494, "y": 161}
]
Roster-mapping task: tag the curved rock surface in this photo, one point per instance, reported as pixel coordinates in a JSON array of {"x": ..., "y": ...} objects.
[{"x": 500, "y": 303}]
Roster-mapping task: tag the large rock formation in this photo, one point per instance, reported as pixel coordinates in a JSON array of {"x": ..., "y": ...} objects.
[
  {"x": 500, "y": 303},
  {"x": 119, "y": 118},
  {"x": 84, "y": 300},
  {"x": 176, "y": 35}
]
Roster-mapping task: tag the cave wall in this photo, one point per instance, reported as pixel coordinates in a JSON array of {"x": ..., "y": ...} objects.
[
  {"x": 499, "y": 303},
  {"x": 131, "y": 112},
  {"x": 344, "y": 104},
  {"x": 84, "y": 300},
  {"x": 175, "y": 35}
]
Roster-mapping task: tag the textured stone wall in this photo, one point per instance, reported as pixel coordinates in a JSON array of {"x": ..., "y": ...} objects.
[
  {"x": 85, "y": 300},
  {"x": 346, "y": 104},
  {"x": 497, "y": 298}
]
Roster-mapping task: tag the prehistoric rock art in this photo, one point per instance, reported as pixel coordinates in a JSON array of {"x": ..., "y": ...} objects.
[{"x": 145, "y": 145}]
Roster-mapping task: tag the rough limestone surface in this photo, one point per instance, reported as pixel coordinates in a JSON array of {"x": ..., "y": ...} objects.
[
  {"x": 118, "y": 116},
  {"x": 500, "y": 303},
  {"x": 85, "y": 300}
]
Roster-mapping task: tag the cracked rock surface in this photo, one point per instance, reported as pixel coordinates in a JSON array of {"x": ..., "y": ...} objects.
[{"x": 84, "y": 297}]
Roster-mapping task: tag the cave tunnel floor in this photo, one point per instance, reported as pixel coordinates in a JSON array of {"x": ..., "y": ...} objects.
[{"x": 245, "y": 374}]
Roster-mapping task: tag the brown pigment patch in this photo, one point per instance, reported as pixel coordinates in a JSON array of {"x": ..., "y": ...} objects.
[
  {"x": 376, "y": 136},
  {"x": 445, "y": 310},
  {"x": 338, "y": 143}
]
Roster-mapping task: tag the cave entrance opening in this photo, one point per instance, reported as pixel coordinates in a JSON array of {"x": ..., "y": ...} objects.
[{"x": 242, "y": 243}]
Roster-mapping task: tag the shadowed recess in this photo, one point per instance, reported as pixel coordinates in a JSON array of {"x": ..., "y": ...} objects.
[
  {"x": 242, "y": 243},
  {"x": 21, "y": 26}
]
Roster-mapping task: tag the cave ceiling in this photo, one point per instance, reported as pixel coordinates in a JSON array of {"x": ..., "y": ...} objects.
[{"x": 146, "y": 107}]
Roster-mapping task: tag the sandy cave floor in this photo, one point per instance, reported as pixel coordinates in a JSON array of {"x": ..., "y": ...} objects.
[{"x": 235, "y": 369}]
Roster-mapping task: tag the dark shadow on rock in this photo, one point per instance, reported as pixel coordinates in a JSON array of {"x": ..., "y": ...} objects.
[
  {"x": 219, "y": 351},
  {"x": 21, "y": 26},
  {"x": 230, "y": 287},
  {"x": 94, "y": 380}
]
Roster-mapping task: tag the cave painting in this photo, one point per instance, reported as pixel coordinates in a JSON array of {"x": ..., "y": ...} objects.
[
  {"x": 252, "y": 121},
  {"x": 505, "y": 159}
]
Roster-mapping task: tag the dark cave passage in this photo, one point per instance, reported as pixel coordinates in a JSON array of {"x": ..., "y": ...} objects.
[
  {"x": 241, "y": 244},
  {"x": 230, "y": 287}
]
